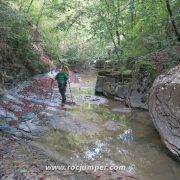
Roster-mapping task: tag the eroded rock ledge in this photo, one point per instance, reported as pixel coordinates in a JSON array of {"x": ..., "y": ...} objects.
[
  {"x": 129, "y": 86},
  {"x": 164, "y": 107}
]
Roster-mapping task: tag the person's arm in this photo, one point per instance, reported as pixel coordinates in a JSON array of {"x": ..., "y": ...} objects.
[
  {"x": 66, "y": 77},
  {"x": 56, "y": 76}
]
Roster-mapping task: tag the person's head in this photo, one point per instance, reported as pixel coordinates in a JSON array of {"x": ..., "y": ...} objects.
[{"x": 65, "y": 69}]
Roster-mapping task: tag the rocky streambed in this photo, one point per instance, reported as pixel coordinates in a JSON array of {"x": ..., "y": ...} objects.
[{"x": 36, "y": 132}]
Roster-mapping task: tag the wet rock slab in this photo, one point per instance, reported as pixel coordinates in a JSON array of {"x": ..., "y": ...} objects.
[
  {"x": 112, "y": 126},
  {"x": 122, "y": 110},
  {"x": 11, "y": 97},
  {"x": 32, "y": 128},
  {"x": 20, "y": 161},
  {"x": 74, "y": 125},
  {"x": 9, "y": 116}
]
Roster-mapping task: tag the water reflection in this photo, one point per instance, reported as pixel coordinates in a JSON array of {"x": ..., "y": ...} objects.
[
  {"x": 131, "y": 168},
  {"x": 127, "y": 136},
  {"x": 92, "y": 153}
]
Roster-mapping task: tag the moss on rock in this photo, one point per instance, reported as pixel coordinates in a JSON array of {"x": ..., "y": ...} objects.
[
  {"x": 120, "y": 75},
  {"x": 146, "y": 69}
]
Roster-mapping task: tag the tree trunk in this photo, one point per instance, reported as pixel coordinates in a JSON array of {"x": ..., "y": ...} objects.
[
  {"x": 40, "y": 15},
  {"x": 29, "y": 6},
  {"x": 21, "y": 5},
  {"x": 172, "y": 20},
  {"x": 117, "y": 22},
  {"x": 118, "y": 38},
  {"x": 108, "y": 25},
  {"x": 132, "y": 11}
]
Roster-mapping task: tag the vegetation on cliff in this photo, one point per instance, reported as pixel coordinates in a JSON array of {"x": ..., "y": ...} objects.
[{"x": 18, "y": 60}]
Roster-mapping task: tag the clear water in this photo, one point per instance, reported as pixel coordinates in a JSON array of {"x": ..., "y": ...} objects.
[{"x": 105, "y": 132}]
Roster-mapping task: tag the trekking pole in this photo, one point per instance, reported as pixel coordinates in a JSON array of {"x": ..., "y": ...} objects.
[
  {"x": 70, "y": 91},
  {"x": 52, "y": 89}
]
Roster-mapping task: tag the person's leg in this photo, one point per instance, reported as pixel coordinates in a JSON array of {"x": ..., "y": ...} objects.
[{"x": 63, "y": 94}]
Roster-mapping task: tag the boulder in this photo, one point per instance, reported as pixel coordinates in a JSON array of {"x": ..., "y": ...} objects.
[
  {"x": 139, "y": 90},
  {"x": 101, "y": 80},
  {"x": 164, "y": 107},
  {"x": 138, "y": 100},
  {"x": 109, "y": 88},
  {"x": 144, "y": 75},
  {"x": 122, "y": 90}
]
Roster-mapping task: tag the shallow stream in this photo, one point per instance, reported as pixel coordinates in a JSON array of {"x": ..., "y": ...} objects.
[
  {"x": 104, "y": 132},
  {"x": 96, "y": 131}
]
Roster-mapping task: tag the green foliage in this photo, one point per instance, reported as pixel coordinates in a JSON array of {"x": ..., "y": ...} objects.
[
  {"x": 16, "y": 36},
  {"x": 15, "y": 28},
  {"x": 85, "y": 30}
]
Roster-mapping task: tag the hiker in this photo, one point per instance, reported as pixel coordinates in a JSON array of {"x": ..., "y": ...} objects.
[{"x": 62, "y": 79}]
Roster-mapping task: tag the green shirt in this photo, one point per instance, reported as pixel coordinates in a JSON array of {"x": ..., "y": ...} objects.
[{"x": 62, "y": 78}]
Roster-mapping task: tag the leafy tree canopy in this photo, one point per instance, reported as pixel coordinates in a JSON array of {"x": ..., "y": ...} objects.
[{"x": 85, "y": 30}]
